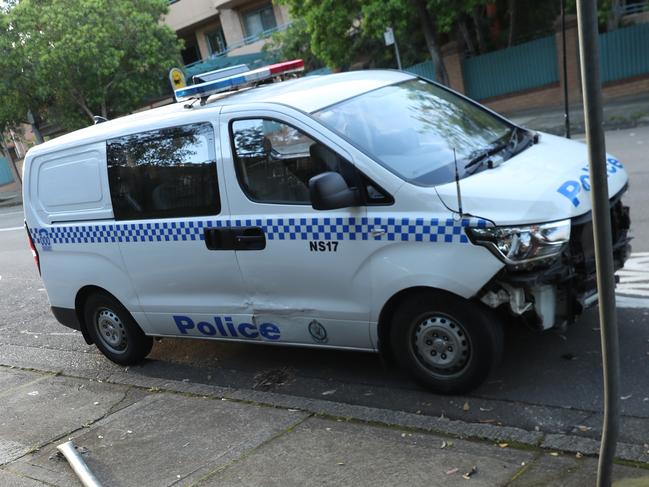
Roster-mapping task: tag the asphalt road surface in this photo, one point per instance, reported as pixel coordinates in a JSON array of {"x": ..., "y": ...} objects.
[{"x": 547, "y": 381}]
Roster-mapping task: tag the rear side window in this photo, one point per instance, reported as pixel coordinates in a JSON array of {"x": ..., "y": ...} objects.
[{"x": 164, "y": 173}]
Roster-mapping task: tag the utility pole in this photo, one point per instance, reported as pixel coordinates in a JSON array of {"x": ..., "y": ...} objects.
[
  {"x": 390, "y": 39},
  {"x": 591, "y": 82},
  {"x": 566, "y": 111}
]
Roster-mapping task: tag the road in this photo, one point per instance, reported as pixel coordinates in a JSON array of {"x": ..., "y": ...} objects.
[{"x": 549, "y": 382}]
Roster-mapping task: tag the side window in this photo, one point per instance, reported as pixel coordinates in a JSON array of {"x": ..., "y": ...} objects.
[
  {"x": 274, "y": 161},
  {"x": 164, "y": 173}
]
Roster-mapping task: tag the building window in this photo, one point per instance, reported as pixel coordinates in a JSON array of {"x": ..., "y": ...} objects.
[
  {"x": 166, "y": 173},
  {"x": 216, "y": 41},
  {"x": 259, "y": 20},
  {"x": 190, "y": 52}
]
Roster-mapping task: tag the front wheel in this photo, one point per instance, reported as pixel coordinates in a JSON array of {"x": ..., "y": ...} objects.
[
  {"x": 447, "y": 343},
  {"x": 114, "y": 331}
]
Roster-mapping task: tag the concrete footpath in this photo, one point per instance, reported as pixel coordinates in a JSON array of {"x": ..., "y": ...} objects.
[
  {"x": 179, "y": 433},
  {"x": 618, "y": 113}
]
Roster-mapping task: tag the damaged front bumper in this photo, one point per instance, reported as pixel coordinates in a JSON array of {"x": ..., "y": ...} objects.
[{"x": 558, "y": 293}]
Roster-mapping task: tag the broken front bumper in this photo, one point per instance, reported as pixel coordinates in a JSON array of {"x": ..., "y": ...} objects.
[{"x": 557, "y": 294}]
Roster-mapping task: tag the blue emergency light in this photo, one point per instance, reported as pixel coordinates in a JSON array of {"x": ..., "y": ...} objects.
[{"x": 233, "y": 81}]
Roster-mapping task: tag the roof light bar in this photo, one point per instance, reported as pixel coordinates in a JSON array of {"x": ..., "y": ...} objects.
[
  {"x": 220, "y": 73},
  {"x": 203, "y": 90}
]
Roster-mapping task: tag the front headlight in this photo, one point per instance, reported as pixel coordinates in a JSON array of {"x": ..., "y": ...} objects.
[{"x": 524, "y": 244}]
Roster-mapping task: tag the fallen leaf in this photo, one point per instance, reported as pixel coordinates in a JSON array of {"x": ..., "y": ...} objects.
[
  {"x": 583, "y": 428},
  {"x": 578, "y": 455},
  {"x": 554, "y": 454},
  {"x": 452, "y": 471},
  {"x": 470, "y": 473},
  {"x": 466, "y": 406},
  {"x": 444, "y": 445},
  {"x": 340, "y": 463},
  {"x": 503, "y": 445}
]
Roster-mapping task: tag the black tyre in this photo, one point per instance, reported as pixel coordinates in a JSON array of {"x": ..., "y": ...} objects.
[
  {"x": 114, "y": 331},
  {"x": 447, "y": 343}
]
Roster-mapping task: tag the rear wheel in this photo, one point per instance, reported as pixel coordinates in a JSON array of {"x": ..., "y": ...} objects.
[
  {"x": 447, "y": 343},
  {"x": 114, "y": 331}
]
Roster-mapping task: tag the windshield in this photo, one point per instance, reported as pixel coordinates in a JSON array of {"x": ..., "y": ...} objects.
[{"x": 413, "y": 127}]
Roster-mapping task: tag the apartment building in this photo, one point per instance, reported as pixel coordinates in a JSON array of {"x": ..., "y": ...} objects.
[{"x": 213, "y": 27}]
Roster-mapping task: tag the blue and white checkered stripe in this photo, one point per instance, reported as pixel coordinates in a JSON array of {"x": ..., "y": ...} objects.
[{"x": 446, "y": 230}]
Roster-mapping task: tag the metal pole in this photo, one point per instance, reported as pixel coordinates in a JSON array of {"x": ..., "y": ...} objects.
[
  {"x": 80, "y": 468},
  {"x": 566, "y": 110},
  {"x": 590, "y": 76},
  {"x": 396, "y": 52}
]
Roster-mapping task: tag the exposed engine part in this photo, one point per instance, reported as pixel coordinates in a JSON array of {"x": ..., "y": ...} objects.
[
  {"x": 508, "y": 294},
  {"x": 545, "y": 299}
]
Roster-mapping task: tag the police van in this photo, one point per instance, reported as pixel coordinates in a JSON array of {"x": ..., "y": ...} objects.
[{"x": 372, "y": 211}]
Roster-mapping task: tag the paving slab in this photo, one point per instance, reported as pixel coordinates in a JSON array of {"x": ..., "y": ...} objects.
[
  {"x": 568, "y": 471},
  {"x": 10, "y": 379},
  {"x": 8, "y": 479},
  {"x": 328, "y": 452},
  {"x": 45, "y": 407},
  {"x": 162, "y": 440}
]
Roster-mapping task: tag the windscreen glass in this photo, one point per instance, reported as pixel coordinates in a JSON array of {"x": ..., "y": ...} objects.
[{"x": 417, "y": 130}]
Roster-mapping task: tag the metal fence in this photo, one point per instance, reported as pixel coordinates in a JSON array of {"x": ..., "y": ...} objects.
[
  {"x": 6, "y": 176},
  {"x": 522, "y": 67},
  {"x": 624, "y": 52},
  {"x": 425, "y": 70}
]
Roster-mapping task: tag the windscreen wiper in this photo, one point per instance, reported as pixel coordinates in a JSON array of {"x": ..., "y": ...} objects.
[{"x": 484, "y": 156}]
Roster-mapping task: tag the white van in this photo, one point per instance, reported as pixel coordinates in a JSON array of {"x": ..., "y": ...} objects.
[{"x": 371, "y": 211}]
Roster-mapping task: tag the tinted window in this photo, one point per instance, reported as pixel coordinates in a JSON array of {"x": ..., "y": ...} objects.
[
  {"x": 417, "y": 129},
  {"x": 274, "y": 161},
  {"x": 164, "y": 173}
]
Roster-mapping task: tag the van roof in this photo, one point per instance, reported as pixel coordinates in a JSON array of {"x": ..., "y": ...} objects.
[{"x": 308, "y": 94}]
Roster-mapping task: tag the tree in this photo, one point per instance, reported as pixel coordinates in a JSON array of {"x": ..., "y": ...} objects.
[
  {"x": 72, "y": 59},
  {"x": 293, "y": 43}
]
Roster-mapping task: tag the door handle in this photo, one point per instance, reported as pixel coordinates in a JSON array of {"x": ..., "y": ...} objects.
[
  {"x": 249, "y": 238},
  {"x": 235, "y": 238},
  {"x": 218, "y": 239}
]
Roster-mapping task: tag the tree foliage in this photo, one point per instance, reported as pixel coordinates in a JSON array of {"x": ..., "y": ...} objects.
[{"x": 68, "y": 60}]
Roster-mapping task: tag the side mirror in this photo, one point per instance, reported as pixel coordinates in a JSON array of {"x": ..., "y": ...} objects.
[{"x": 329, "y": 191}]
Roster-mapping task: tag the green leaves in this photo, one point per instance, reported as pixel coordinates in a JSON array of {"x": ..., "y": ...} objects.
[{"x": 71, "y": 59}]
